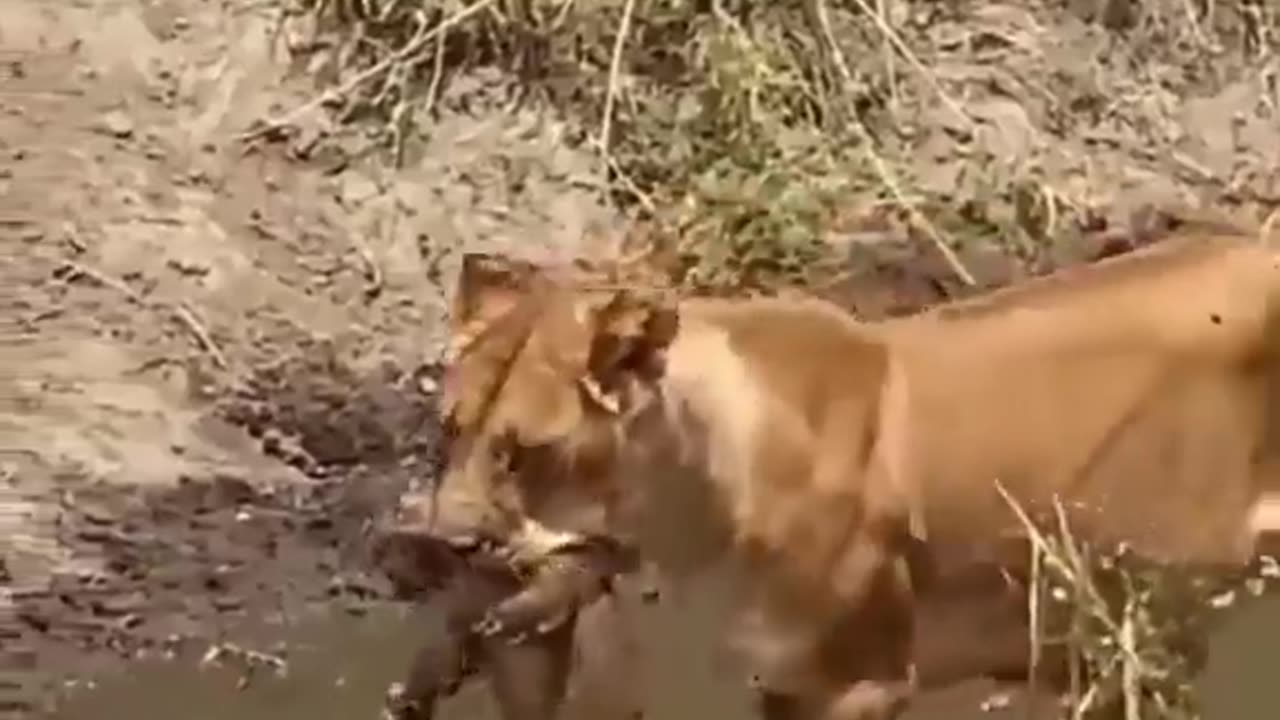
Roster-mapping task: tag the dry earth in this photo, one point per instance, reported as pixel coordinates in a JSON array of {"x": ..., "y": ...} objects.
[
  {"x": 216, "y": 369},
  {"x": 216, "y": 366}
]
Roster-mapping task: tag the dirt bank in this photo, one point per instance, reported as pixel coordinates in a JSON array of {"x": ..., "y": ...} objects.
[{"x": 215, "y": 368}]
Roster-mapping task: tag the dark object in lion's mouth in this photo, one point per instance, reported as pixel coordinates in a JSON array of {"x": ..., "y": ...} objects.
[
  {"x": 418, "y": 563},
  {"x": 560, "y": 585}
]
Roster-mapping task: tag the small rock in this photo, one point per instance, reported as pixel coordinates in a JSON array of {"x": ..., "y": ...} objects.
[
  {"x": 97, "y": 516},
  {"x": 119, "y": 606},
  {"x": 428, "y": 385},
  {"x": 116, "y": 124}
]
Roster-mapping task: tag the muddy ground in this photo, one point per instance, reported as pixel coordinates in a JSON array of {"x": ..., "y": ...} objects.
[
  {"x": 216, "y": 367},
  {"x": 217, "y": 372}
]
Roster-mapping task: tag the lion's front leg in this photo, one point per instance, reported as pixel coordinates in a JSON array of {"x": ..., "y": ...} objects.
[{"x": 857, "y": 665}]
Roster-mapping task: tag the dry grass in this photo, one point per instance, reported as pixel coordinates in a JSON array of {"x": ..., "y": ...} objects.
[
  {"x": 1133, "y": 630},
  {"x": 746, "y": 133}
]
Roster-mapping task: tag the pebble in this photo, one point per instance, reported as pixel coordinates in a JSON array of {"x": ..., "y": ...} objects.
[{"x": 116, "y": 124}]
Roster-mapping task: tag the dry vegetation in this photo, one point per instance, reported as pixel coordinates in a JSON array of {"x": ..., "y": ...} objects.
[
  {"x": 1133, "y": 630},
  {"x": 749, "y": 134}
]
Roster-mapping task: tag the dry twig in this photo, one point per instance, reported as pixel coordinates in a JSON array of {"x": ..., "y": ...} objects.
[
  {"x": 886, "y": 176},
  {"x": 882, "y": 24},
  {"x": 405, "y": 53},
  {"x": 1123, "y": 642},
  {"x": 180, "y": 311},
  {"x": 615, "y": 67}
]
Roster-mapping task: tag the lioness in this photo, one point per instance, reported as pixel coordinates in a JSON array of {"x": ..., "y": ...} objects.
[
  {"x": 1142, "y": 390},
  {"x": 844, "y": 468},
  {"x": 546, "y": 396},
  {"x": 528, "y": 626}
]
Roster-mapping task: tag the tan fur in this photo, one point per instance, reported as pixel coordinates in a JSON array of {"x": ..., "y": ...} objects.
[
  {"x": 1141, "y": 391},
  {"x": 817, "y": 454},
  {"x": 758, "y": 423}
]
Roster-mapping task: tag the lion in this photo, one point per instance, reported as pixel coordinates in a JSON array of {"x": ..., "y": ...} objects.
[
  {"x": 529, "y": 626},
  {"x": 581, "y": 387},
  {"x": 847, "y": 471}
]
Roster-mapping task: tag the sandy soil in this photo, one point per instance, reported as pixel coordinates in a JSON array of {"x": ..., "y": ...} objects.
[
  {"x": 212, "y": 349},
  {"x": 216, "y": 368}
]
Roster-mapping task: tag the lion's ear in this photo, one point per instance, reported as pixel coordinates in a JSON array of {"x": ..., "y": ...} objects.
[
  {"x": 630, "y": 337},
  {"x": 488, "y": 287}
]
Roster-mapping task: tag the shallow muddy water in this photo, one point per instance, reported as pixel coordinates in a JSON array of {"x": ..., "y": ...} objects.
[{"x": 339, "y": 669}]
